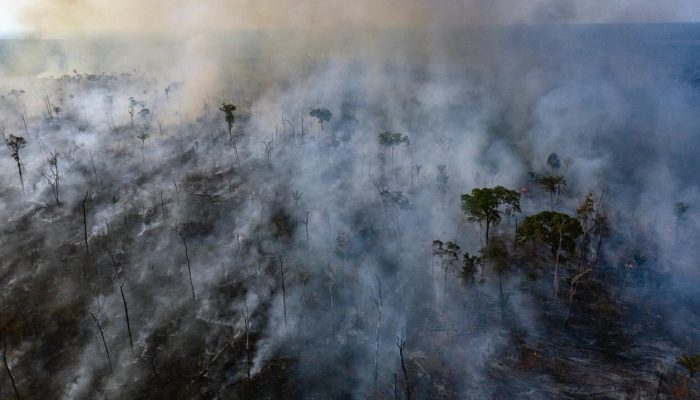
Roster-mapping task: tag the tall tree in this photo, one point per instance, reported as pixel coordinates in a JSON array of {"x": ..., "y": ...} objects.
[
  {"x": 15, "y": 144},
  {"x": 228, "y": 109},
  {"x": 322, "y": 115},
  {"x": 486, "y": 205},
  {"x": 496, "y": 253},
  {"x": 556, "y": 230}
]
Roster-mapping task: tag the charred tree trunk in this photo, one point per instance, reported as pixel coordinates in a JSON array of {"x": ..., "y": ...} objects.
[
  {"x": 87, "y": 249},
  {"x": 401, "y": 344},
  {"x": 21, "y": 179},
  {"x": 9, "y": 372},
  {"x": 284, "y": 292},
  {"x": 128, "y": 323},
  {"x": 104, "y": 342}
]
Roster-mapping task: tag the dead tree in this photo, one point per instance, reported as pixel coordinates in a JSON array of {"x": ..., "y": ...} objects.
[
  {"x": 305, "y": 221},
  {"x": 126, "y": 312},
  {"x": 296, "y": 195},
  {"x": 104, "y": 342},
  {"x": 284, "y": 292},
  {"x": 246, "y": 321},
  {"x": 303, "y": 278},
  {"x": 17, "y": 93},
  {"x": 94, "y": 169},
  {"x": 268, "y": 148},
  {"x": 162, "y": 204},
  {"x": 9, "y": 372},
  {"x": 87, "y": 249},
  {"x": 378, "y": 302},
  {"x": 572, "y": 292},
  {"x": 53, "y": 178},
  {"x": 401, "y": 344},
  {"x": 187, "y": 257},
  {"x": 48, "y": 107}
]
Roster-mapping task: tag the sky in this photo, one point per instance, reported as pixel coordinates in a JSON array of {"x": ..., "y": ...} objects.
[{"x": 55, "y": 17}]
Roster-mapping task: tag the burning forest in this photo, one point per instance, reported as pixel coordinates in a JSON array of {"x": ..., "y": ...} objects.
[{"x": 463, "y": 200}]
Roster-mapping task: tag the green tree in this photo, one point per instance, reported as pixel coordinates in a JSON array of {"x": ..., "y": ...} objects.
[
  {"x": 556, "y": 230},
  {"x": 322, "y": 115},
  {"x": 486, "y": 205},
  {"x": 496, "y": 253},
  {"x": 691, "y": 363},
  {"x": 15, "y": 144},
  {"x": 228, "y": 109}
]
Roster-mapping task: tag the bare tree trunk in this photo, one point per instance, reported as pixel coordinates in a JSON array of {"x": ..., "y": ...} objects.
[
  {"x": 87, "y": 249},
  {"x": 284, "y": 291},
  {"x": 189, "y": 267},
  {"x": 104, "y": 342},
  {"x": 126, "y": 312},
  {"x": 21, "y": 179},
  {"x": 162, "y": 204},
  {"x": 401, "y": 344},
  {"x": 246, "y": 320},
  {"x": 556, "y": 267},
  {"x": 572, "y": 293},
  {"x": 378, "y": 304},
  {"x": 94, "y": 170},
  {"x": 9, "y": 372}
]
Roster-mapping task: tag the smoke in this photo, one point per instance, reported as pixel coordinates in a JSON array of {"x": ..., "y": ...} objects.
[{"x": 227, "y": 272}]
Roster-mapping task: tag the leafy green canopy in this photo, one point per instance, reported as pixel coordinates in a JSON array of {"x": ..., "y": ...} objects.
[
  {"x": 551, "y": 228},
  {"x": 485, "y": 204},
  {"x": 228, "y": 109},
  {"x": 388, "y": 139},
  {"x": 321, "y": 114},
  {"x": 15, "y": 143}
]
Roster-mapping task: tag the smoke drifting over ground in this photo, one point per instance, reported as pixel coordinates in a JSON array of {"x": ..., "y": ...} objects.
[{"x": 290, "y": 256}]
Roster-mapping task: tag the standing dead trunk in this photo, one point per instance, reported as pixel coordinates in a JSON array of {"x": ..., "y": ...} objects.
[
  {"x": 246, "y": 320},
  {"x": 128, "y": 323},
  {"x": 572, "y": 293},
  {"x": 21, "y": 179},
  {"x": 94, "y": 169},
  {"x": 162, "y": 204},
  {"x": 87, "y": 249},
  {"x": 104, "y": 342},
  {"x": 556, "y": 266},
  {"x": 401, "y": 344},
  {"x": 284, "y": 291},
  {"x": 189, "y": 267},
  {"x": 378, "y": 304},
  {"x": 9, "y": 372}
]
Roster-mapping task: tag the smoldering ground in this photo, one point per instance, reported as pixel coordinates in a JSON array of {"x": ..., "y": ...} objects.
[{"x": 272, "y": 263}]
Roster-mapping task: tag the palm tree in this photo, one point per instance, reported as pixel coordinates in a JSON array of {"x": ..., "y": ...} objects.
[
  {"x": 691, "y": 363},
  {"x": 142, "y": 137}
]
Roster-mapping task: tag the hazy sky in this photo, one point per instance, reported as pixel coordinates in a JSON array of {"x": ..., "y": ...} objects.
[{"x": 187, "y": 16}]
